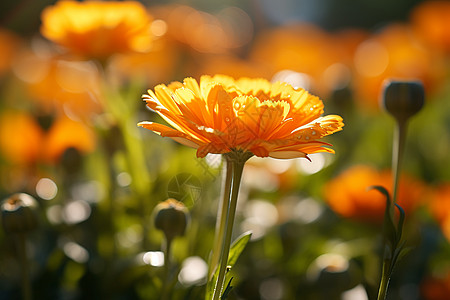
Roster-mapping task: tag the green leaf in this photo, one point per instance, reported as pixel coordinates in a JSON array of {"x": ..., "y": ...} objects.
[
  {"x": 227, "y": 290},
  {"x": 235, "y": 251},
  {"x": 388, "y": 224},
  {"x": 237, "y": 247},
  {"x": 400, "y": 222}
]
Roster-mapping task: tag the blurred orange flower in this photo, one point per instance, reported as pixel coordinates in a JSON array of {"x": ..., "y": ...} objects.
[
  {"x": 440, "y": 207},
  {"x": 64, "y": 134},
  {"x": 302, "y": 48},
  {"x": 434, "y": 288},
  {"x": 431, "y": 20},
  {"x": 21, "y": 137},
  {"x": 203, "y": 32},
  {"x": 58, "y": 86},
  {"x": 221, "y": 115},
  {"x": 24, "y": 142},
  {"x": 157, "y": 65},
  {"x": 9, "y": 43},
  {"x": 233, "y": 66},
  {"x": 348, "y": 193},
  {"x": 392, "y": 53},
  {"x": 97, "y": 29}
]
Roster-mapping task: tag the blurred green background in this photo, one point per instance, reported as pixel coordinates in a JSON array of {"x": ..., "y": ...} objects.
[{"x": 74, "y": 145}]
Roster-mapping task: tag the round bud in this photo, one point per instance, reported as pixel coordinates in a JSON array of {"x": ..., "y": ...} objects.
[
  {"x": 171, "y": 217},
  {"x": 19, "y": 213},
  {"x": 403, "y": 99}
]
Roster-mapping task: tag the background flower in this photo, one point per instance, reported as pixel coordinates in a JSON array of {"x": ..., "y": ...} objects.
[
  {"x": 68, "y": 137},
  {"x": 348, "y": 194},
  {"x": 98, "y": 29}
]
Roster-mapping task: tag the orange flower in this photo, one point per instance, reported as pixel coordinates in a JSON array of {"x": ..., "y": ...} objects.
[
  {"x": 431, "y": 20},
  {"x": 392, "y": 53},
  {"x": 222, "y": 115},
  {"x": 436, "y": 287},
  {"x": 440, "y": 207},
  {"x": 203, "y": 32},
  {"x": 98, "y": 29},
  {"x": 348, "y": 193},
  {"x": 299, "y": 47},
  {"x": 9, "y": 43},
  {"x": 57, "y": 85},
  {"x": 232, "y": 66},
  {"x": 20, "y": 137},
  {"x": 65, "y": 134}
]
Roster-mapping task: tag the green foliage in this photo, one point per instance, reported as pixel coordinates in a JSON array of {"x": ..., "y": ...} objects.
[{"x": 236, "y": 250}]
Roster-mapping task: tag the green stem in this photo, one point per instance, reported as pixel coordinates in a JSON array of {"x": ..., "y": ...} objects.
[
  {"x": 166, "y": 275},
  {"x": 397, "y": 155},
  {"x": 221, "y": 218},
  {"x": 238, "y": 160},
  {"x": 384, "y": 282},
  {"x": 22, "y": 252}
]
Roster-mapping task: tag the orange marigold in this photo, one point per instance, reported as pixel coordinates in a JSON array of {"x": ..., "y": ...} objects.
[
  {"x": 430, "y": 20},
  {"x": 98, "y": 29},
  {"x": 20, "y": 137},
  {"x": 221, "y": 115},
  {"x": 348, "y": 193},
  {"x": 440, "y": 207}
]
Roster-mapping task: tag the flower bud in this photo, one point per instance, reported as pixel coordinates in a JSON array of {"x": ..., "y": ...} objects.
[
  {"x": 403, "y": 99},
  {"x": 19, "y": 213},
  {"x": 171, "y": 217}
]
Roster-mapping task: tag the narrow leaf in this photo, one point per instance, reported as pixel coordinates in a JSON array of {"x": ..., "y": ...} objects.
[
  {"x": 237, "y": 247},
  {"x": 400, "y": 222},
  {"x": 227, "y": 290},
  {"x": 389, "y": 228},
  {"x": 235, "y": 251}
]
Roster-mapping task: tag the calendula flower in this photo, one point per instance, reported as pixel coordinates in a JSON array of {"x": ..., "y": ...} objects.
[
  {"x": 430, "y": 20},
  {"x": 348, "y": 194},
  {"x": 96, "y": 29},
  {"x": 221, "y": 115},
  {"x": 440, "y": 207},
  {"x": 20, "y": 137},
  {"x": 64, "y": 134}
]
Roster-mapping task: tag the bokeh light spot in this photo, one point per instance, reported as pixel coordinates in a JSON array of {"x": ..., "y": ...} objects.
[
  {"x": 123, "y": 179},
  {"x": 158, "y": 28},
  {"x": 271, "y": 289},
  {"x": 193, "y": 271},
  {"x": 46, "y": 189},
  {"x": 54, "y": 214},
  {"x": 356, "y": 293},
  {"x": 371, "y": 59},
  {"x": 307, "y": 210},
  {"x": 154, "y": 258},
  {"x": 317, "y": 163},
  {"x": 76, "y": 211},
  {"x": 76, "y": 252}
]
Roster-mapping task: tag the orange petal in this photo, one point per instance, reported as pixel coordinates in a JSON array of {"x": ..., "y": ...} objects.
[{"x": 176, "y": 135}]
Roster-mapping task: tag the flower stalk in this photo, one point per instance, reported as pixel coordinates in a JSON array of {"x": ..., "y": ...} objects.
[
  {"x": 397, "y": 155},
  {"x": 221, "y": 218},
  {"x": 238, "y": 160},
  {"x": 402, "y": 99},
  {"x": 22, "y": 253},
  {"x": 166, "y": 275}
]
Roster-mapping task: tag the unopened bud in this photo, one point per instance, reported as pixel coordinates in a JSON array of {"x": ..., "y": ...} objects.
[
  {"x": 19, "y": 213},
  {"x": 403, "y": 99},
  {"x": 171, "y": 217}
]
